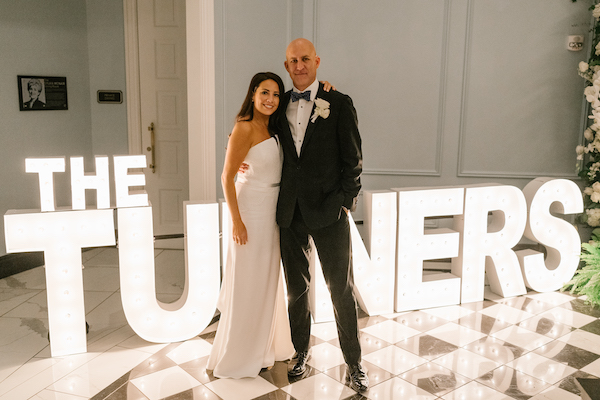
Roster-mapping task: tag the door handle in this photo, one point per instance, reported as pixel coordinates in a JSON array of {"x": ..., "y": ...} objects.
[{"x": 152, "y": 147}]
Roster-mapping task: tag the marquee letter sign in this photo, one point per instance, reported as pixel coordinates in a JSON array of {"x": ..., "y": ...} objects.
[
  {"x": 489, "y": 220},
  {"x": 486, "y": 246},
  {"x": 414, "y": 246},
  {"x": 80, "y": 181},
  {"x": 374, "y": 270},
  {"x": 45, "y": 167},
  {"x": 61, "y": 236},
  {"x": 187, "y": 317},
  {"x": 563, "y": 244}
]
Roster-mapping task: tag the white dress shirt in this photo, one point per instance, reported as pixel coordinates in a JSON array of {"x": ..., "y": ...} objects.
[{"x": 298, "y": 114}]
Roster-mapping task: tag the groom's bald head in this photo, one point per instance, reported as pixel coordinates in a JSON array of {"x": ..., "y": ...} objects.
[{"x": 301, "y": 62}]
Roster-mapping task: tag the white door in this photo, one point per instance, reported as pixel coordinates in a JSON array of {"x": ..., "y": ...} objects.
[{"x": 163, "y": 102}]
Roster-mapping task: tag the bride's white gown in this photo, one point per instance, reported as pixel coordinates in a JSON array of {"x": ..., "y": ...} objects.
[{"x": 253, "y": 330}]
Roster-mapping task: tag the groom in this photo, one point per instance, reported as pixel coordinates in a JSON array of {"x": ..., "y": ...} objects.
[{"x": 319, "y": 186}]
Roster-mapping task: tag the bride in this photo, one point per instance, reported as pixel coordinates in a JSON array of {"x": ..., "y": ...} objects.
[{"x": 253, "y": 330}]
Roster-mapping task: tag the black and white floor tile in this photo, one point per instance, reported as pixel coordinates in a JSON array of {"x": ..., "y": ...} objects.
[{"x": 528, "y": 347}]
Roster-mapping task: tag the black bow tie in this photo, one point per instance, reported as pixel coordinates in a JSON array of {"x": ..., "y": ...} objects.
[{"x": 297, "y": 96}]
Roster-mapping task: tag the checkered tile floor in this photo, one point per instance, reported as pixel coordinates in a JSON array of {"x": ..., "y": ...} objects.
[{"x": 528, "y": 347}]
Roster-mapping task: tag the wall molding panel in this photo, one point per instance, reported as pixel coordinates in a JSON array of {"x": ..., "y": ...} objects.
[
  {"x": 519, "y": 129},
  {"x": 420, "y": 126},
  {"x": 449, "y": 92},
  {"x": 247, "y": 42}
]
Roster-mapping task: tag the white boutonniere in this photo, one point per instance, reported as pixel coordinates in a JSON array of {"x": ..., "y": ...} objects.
[{"x": 321, "y": 109}]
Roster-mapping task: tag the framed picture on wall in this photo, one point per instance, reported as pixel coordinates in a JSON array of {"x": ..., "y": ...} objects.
[{"x": 42, "y": 93}]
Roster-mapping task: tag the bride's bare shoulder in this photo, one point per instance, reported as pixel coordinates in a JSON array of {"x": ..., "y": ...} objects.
[{"x": 242, "y": 129}]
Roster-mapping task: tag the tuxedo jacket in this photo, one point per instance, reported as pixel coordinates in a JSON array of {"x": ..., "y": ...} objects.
[{"x": 326, "y": 175}]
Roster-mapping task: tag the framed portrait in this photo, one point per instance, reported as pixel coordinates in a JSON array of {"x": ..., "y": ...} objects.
[{"x": 42, "y": 93}]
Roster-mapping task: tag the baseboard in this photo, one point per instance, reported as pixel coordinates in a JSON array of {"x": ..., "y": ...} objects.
[{"x": 11, "y": 264}]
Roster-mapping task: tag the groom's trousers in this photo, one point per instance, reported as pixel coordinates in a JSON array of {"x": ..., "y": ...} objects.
[{"x": 335, "y": 253}]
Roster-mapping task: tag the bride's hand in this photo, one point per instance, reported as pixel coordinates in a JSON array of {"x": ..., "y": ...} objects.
[
  {"x": 240, "y": 235},
  {"x": 243, "y": 168},
  {"x": 327, "y": 86}
]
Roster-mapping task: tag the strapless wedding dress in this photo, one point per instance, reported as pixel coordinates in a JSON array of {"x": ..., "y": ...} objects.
[{"x": 253, "y": 330}]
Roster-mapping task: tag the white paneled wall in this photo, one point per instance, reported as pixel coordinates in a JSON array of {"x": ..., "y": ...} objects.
[
  {"x": 251, "y": 37},
  {"x": 391, "y": 59},
  {"x": 447, "y": 91},
  {"x": 521, "y": 108}
]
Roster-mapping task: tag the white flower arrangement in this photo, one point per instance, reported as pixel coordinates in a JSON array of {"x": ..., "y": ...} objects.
[
  {"x": 586, "y": 282},
  {"x": 593, "y": 216},
  {"x": 588, "y": 154},
  {"x": 596, "y": 12},
  {"x": 321, "y": 109}
]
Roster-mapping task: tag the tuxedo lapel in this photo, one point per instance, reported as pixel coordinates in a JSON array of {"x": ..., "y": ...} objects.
[
  {"x": 311, "y": 125},
  {"x": 286, "y": 134}
]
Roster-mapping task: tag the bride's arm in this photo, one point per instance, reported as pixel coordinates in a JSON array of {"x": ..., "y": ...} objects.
[{"x": 237, "y": 148}]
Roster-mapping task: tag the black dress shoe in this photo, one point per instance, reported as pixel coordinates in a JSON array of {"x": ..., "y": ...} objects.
[
  {"x": 357, "y": 378},
  {"x": 300, "y": 367}
]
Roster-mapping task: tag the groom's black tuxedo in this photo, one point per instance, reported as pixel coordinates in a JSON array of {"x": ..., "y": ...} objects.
[
  {"x": 325, "y": 176},
  {"x": 314, "y": 188}
]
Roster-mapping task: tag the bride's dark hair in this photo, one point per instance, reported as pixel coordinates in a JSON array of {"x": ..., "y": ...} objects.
[{"x": 247, "y": 111}]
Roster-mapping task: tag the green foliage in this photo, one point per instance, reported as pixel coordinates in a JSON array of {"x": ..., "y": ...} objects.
[
  {"x": 589, "y": 152},
  {"x": 586, "y": 280}
]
